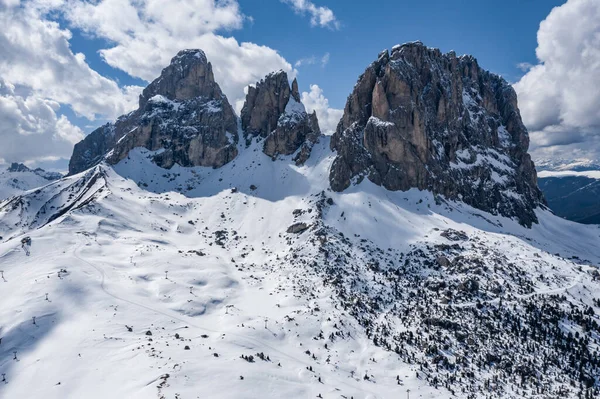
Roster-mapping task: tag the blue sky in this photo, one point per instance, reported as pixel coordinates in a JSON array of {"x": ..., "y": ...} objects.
[
  {"x": 500, "y": 35},
  {"x": 69, "y": 66}
]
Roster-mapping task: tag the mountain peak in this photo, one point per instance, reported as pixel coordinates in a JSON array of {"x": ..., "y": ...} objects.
[
  {"x": 189, "y": 75},
  {"x": 273, "y": 110},
  {"x": 419, "y": 118},
  {"x": 191, "y": 54},
  {"x": 18, "y": 167},
  {"x": 183, "y": 114}
]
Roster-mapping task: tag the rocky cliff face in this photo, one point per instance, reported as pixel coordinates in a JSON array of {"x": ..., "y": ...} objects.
[
  {"x": 183, "y": 114},
  {"x": 273, "y": 111},
  {"x": 438, "y": 122},
  {"x": 186, "y": 118}
]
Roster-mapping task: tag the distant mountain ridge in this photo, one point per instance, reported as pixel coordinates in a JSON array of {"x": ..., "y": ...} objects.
[
  {"x": 572, "y": 188},
  {"x": 18, "y": 178},
  {"x": 561, "y": 164},
  {"x": 19, "y": 167}
]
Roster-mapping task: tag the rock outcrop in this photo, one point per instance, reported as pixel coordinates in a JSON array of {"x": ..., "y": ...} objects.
[
  {"x": 273, "y": 111},
  {"x": 183, "y": 115},
  {"x": 438, "y": 122}
]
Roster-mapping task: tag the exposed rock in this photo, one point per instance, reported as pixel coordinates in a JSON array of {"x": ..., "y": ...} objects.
[
  {"x": 274, "y": 111},
  {"x": 265, "y": 102},
  {"x": 297, "y": 228},
  {"x": 454, "y": 235},
  {"x": 437, "y": 122},
  {"x": 18, "y": 167},
  {"x": 443, "y": 261},
  {"x": 183, "y": 114},
  {"x": 21, "y": 168}
]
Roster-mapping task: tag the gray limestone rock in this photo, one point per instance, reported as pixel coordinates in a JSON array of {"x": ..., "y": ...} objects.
[
  {"x": 183, "y": 113},
  {"x": 437, "y": 122}
]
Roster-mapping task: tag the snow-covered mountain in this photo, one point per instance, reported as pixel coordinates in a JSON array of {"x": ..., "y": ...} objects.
[
  {"x": 563, "y": 165},
  {"x": 18, "y": 178},
  {"x": 254, "y": 279}
]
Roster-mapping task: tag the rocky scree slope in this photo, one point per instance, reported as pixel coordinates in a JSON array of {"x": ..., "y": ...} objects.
[{"x": 437, "y": 122}]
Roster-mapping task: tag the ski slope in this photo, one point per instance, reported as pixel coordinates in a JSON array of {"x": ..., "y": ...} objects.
[{"x": 146, "y": 282}]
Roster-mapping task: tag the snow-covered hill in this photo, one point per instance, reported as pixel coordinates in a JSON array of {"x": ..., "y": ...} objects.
[
  {"x": 18, "y": 178},
  {"x": 255, "y": 280}
]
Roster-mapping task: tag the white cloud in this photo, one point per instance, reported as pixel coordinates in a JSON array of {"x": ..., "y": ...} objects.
[
  {"x": 36, "y": 54},
  {"x": 316, "y": 101},
  {"x": 306, "y": 61},
  {"x": 558, "y": 97},
  {"x": 144, "y": 38},
  {"x": 524, "y": 66},
  {"x": 312, "y": 60},
  {"x": 9, "y": 3},
  {"x": 30, "y": 129},
  {"x": 319, "y": 15}
]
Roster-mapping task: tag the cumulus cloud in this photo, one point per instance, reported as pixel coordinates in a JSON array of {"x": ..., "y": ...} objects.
[
  {"x": 36, "y": 54},
  {"x": 319, "y": 15},
  {"x": 30, "y": 129},
  {"x": 558, "y": 97},
  {"x": 144, "y": 38},
  {"x": 316, "y": 101},
  {"x": 141, "y": 39}
]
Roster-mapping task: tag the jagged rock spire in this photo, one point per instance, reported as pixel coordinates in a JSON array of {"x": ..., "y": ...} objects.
[
  {"x": 265, "y": 102},
  {"x": 295, "y": 93},
  {"x": 273, "y": 110}
]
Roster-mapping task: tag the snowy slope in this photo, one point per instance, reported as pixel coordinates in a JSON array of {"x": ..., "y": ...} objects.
[{"x": 130, "y": 265}]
